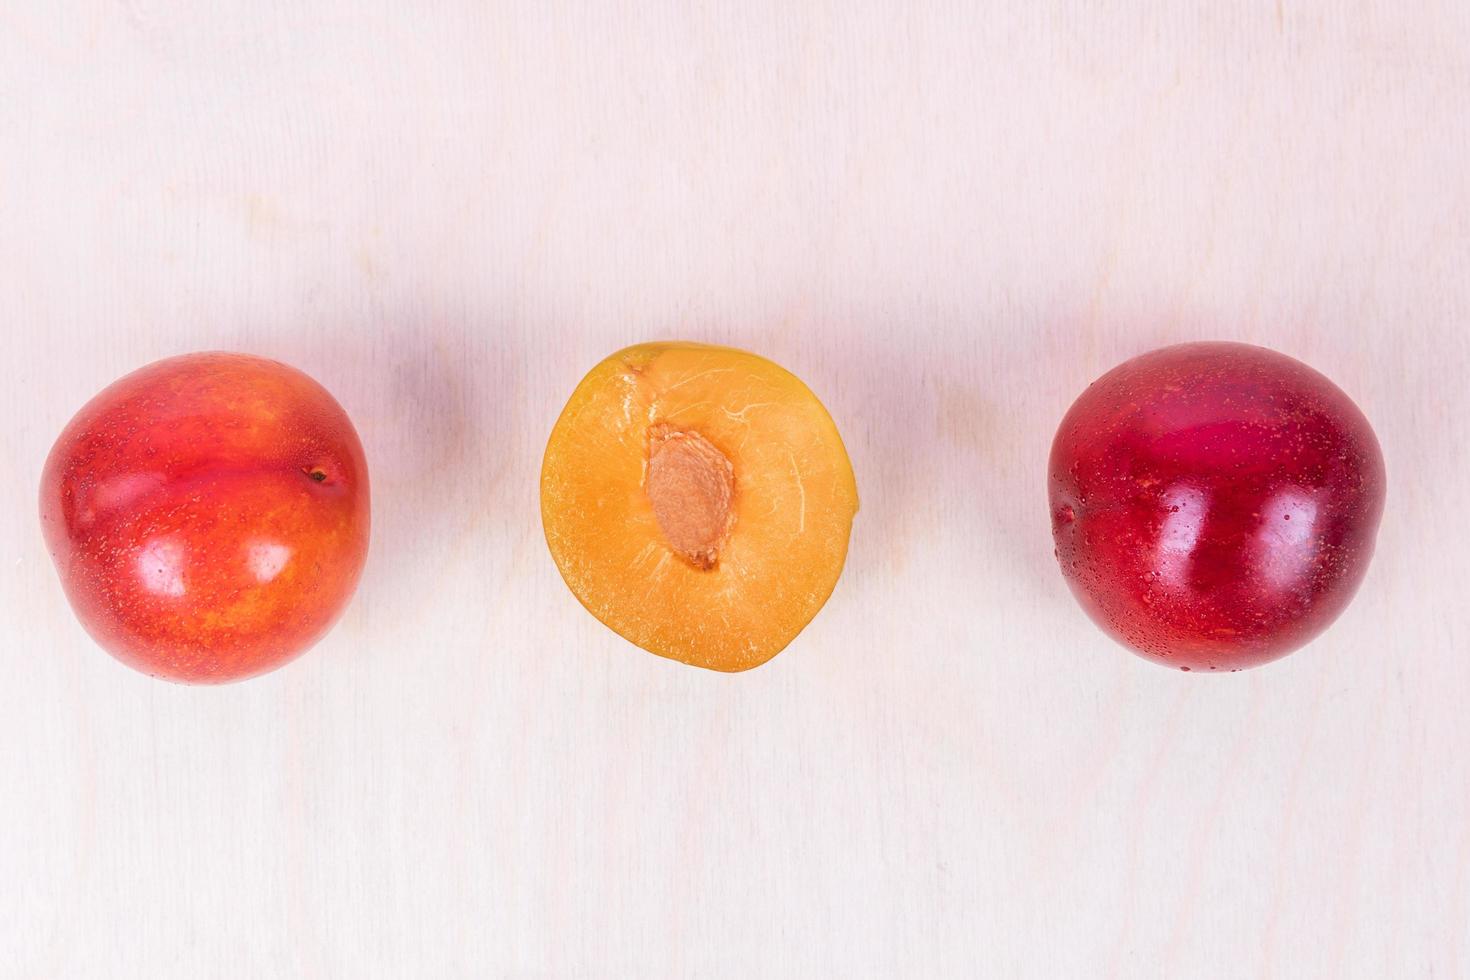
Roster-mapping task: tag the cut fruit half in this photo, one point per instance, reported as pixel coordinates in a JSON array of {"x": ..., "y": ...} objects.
[{"x": 698, "y": 501}]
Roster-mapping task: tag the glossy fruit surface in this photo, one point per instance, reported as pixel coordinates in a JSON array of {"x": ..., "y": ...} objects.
[
  {"x": 208, "y": 516},
  {"x": 698, "y": 500},
  {"x": 1214, "y": 505}
]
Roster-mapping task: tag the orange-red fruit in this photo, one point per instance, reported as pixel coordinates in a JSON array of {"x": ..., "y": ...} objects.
[
  {"x": 698, "y": 500},
  {"x": 208, "y": 516}
]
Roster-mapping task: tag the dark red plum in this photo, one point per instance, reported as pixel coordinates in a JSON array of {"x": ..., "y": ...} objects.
[{"x": 1214, "y": 505}]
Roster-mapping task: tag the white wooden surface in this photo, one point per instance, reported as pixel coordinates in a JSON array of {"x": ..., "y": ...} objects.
[{"x": 947, "y": 218}]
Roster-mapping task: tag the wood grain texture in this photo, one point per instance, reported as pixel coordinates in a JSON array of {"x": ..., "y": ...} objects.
[{"x": 947, "y": 218}]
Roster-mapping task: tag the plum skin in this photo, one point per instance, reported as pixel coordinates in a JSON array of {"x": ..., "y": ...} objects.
[
  {"x": 208, "y": 516},
  {"x": 1214, "y": 505}
]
